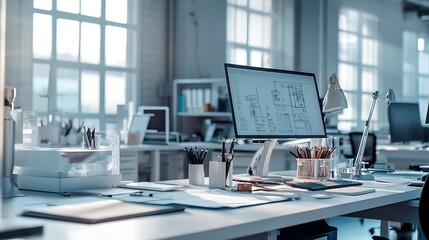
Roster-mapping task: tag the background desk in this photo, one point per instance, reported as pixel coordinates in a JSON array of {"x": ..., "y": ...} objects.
[
  {"x": 401, "y": 157},
  {"x": 196, "y": 223},
  {"x": 174, "y": 166}
]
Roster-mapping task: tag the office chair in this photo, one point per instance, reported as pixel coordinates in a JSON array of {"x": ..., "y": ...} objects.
[
  {"x": 309, "y": 231},
  {"x": 424, "y": 208},
  {"x": 369, "y": 155}
]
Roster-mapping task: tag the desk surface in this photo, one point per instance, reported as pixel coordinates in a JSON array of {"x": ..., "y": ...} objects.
[{"x": 197, "y": 223}]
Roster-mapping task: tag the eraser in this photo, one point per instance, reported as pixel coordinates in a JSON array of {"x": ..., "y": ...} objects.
[{"x": 244, "y": 187}]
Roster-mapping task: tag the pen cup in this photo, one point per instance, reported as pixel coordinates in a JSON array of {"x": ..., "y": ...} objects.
[
  {"x": 217, "y": 174},
  {"x": 196, "y": 174},
  {"x": 313, "y": 168}
]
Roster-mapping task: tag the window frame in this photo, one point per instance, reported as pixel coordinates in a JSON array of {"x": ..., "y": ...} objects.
[
  {"x": 361, "y": 98},
  {"x": 276, "y": 17}
]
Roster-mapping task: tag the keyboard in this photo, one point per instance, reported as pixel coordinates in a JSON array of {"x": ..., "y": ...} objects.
[{"x": 323, "y": 184}]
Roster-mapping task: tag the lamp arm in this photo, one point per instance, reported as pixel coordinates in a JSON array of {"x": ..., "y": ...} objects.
[{"x": 362, "y": 145}]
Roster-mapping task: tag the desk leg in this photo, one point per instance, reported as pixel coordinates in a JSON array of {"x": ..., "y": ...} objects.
[
  {"x": 384, "y": 228},
  {"x": 155, "y": 172},
  {"x": 272, "y": 235}
]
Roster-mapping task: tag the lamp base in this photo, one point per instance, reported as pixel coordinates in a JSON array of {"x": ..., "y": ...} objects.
[{"x": 363, "y": 177}]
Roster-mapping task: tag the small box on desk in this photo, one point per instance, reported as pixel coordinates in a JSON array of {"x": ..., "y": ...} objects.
[
  {"x": 312, "y": 168},
  {"x": 66, "y": 169}
]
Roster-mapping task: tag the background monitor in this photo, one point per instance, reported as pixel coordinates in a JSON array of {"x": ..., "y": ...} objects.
[
  {"x": 274, "y": 104},
  {"x": 159, "y": 122},
  {"x": 404, "y": 122}
]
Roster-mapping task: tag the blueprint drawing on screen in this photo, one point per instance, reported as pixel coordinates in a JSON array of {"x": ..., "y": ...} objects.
[
  {"x": 284, "y": 112},
  {"x": 275, "y": 106}
]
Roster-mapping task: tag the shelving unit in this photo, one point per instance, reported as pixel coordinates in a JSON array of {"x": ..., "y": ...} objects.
[{"x": 195, "y": 100}]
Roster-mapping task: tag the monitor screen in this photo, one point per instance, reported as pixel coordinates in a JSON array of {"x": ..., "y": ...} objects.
[
  {"x": 404, "y": 122},
  {"x": 274, "y": 104},
  {"x": 159, "y": 120}
]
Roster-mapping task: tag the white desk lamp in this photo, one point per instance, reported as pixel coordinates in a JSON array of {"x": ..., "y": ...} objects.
[
  {"x": 334, "y": 100},
  {"x": 390, "y": 97}
]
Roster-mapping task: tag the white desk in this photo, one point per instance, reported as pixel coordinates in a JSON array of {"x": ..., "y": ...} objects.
[
  {"x": 155, "y": 153},
  {"x": 400, "y": 157},
  {"x": 195, "y": 223}
]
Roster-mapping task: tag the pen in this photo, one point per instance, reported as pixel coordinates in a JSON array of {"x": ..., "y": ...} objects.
[
  {"x": 205, "y": 153},
  {"x": 87, "y": 143},
  {"x": 231, "y": 147},
  {"x": 293, "y": 154},
  {"x": 93, "y": 138},
  {"x": 223, "y": 150},
  {"x": 88, "y": 137},
  {"x": 141, "y": 194},
  {"x": 196, "y": 156}
]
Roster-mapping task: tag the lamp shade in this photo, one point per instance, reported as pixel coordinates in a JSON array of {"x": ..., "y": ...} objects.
[
  {"x": 390, "y": 97},
  {"x": 335, "y": 99}
]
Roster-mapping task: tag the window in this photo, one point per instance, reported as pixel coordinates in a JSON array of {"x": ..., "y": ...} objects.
[
  {"x": 84, "y": 61},
  {"x": 358, "y": 50},
  {"x": 416, "y": 69},
  {"x": 254, "y": 33}
]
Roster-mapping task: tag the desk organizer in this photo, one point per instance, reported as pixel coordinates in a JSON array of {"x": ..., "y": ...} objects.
[
  {"x": 68, "y": 169},
  {"x": 312, "y": 168}
]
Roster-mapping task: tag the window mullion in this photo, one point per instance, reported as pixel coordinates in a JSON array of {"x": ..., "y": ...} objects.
[
  {"x": 52, "y": 85},
  {"x": 102, "y": 63}
]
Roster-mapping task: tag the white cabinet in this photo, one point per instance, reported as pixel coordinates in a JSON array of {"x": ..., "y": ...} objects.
[{"x": 129, "y": 165}]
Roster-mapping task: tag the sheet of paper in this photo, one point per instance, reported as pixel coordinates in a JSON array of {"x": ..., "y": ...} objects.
[
  {"x": 151, "y": 186},
  {"x": 108, "y": 192},
  {"x": 209, "y": 198}
]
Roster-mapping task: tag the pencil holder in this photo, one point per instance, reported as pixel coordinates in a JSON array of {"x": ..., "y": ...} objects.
[
  {"x": 217, "y": 174},
  {"x": 196, "y": 174},
  {"x": 312, "y": 168}
]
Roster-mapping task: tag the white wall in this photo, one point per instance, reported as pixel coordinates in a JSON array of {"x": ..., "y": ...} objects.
[
  {"x": 153, "y": 51},
  {"x": 200, "y": 39},
  {"x": 19, "y": 51}
]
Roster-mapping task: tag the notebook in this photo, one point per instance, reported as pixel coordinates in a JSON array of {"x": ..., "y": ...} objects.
[{"x": 99, "y": 211}]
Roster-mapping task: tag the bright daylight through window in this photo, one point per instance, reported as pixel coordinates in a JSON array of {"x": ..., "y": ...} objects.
[
  {"x": 254, "y": 35},
  {"x": 84, "y": 59},
  {"x": 358, "y": 66}
]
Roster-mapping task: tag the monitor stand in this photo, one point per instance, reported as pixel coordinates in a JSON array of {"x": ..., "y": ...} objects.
[{"x": 259, "y": 166}]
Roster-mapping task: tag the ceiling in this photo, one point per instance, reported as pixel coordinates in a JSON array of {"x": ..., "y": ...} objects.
[{"x": 416, "y": 9}]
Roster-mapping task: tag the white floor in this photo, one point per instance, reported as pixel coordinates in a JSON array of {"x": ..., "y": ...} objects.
[{"x": 352, "y": 229}]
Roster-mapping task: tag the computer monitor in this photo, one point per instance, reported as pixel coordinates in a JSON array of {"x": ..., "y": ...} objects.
[
  {"x": 404, "y": 122},
  {"x": 273, "y": 104},
  {"x": 159, "y": 122}
]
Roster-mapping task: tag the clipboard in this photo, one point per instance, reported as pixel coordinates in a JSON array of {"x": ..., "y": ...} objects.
[{"x": 99, "y": 211}]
